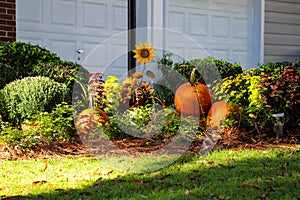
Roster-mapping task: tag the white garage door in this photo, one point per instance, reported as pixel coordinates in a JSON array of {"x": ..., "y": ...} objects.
[
  {"x": 64, "y": 26},
  {"x": 227, "y": 29}
]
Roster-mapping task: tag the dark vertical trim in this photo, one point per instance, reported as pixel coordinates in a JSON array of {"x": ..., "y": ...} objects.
[{"x": 131, "y": 34}]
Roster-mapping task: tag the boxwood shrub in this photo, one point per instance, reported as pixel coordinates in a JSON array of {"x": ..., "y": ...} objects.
[{"x": 31, "y": 95}]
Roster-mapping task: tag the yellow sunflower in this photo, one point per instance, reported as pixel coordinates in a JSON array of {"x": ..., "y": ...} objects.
[{"x": 144, "y": 53}]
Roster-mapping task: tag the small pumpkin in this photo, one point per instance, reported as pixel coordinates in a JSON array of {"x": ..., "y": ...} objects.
[
  {"x": 90, "y": 118},
  {"x": 219, "y": 111},
  {"x": 192, "y": 98},
  {"x": 27, "y": 125}
]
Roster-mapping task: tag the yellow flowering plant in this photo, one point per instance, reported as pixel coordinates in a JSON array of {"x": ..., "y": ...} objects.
[
  {"x": 235, "y": 89},
  {"x": 144, "y": 53},
  {"x": 257, "y": 114},
  {"x": 246, "y": 90}
]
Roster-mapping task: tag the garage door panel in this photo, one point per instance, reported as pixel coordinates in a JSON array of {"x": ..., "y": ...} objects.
[
  {"x": 221, "y": 27},
  {"x": 95, "y": 15},
  {"x": 64, "y": 26},
  {"x": 34, "y": 40},
  {"x": 62, "y": 46},
  {"x": 176, "y": 21},
  {"x": 233, "y": 6},
  {"x": 119, "y": 17},
  {"x": 89, "y": 46},
  {"x": 189, "y": 3},
  {"x": 200, "y": 24},
  {"x": 237, "y": 3},
  {"x": 31, "y": 11},
  {"x": 240, "y": 28},
  {"x": 63, "y": 13},
  {"x": 117, "y": 50},
  {"x": 221, "y": 53},
  {"x": 110, "y": 54},
  {"x": 242, "y": 56},
  {"x": 221, "y": 1},
  {"x": 176, "y": 50},
  {"x": 196, "y": 53}
]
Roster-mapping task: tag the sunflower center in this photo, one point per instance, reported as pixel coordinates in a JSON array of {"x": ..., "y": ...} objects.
[{"x": 145, "y": 53}]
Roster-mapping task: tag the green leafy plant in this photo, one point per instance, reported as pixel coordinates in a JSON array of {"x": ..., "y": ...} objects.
[
  {"x": 209, "y": 69},
  {"x": 54, "y": 126},
  {"x": 246, "y": 90},
  {"x": 149, "y": 122},
  {"x": 226, "y": 68},
  {"x": 121, "y": 96},
  {"x": 272, "y": 68},
  {"x": 19, "y": 60},
  {"x": 111, "y": 94},
  {"x": 31, "y": 95},
  {"x": 24, "y": 56},
  {"x": 282, "y": 92},
  {"x": 135, "y": 92},
  {"x": 14, "y": 137},
  {"x": 165, "y": 88},
  {"x": 257, "y": 114},
  {"x": 134, "y": 121},
  {"x": 166, "y": 60},
  {"x": 41, "y": 129},
  {"x": 58, "y": 70}
]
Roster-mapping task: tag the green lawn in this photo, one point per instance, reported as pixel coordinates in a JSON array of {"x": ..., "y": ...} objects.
[{"x": 227, "y": 174}]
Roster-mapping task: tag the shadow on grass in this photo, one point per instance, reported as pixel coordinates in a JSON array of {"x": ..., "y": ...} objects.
[{"x": 200, "y": 178}]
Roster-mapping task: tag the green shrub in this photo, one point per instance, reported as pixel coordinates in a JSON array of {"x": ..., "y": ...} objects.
[
  {"x": 19, "y": 60},
  {"x": 166, "y": 60},
  {"x": 227, "y": 69},
  {"x": 272, "y": 68},
  {"x": 43, "y": 128},
  {"x": 246, "y": 90},
  {"x": 209, "y": 69},
  {"x": 31, "y": 95},
  {"x": 58, "y": 70},
  {"x": 281, "y": 83},
  {"x": 150, "y": 122},
  {"x": 281, "y": 92}
]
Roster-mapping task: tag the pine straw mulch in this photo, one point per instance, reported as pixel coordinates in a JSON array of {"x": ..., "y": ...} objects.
[{"x": 230, "y": 139}]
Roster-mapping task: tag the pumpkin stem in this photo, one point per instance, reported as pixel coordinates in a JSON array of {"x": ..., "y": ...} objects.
[{"x": 193, "y": 77}]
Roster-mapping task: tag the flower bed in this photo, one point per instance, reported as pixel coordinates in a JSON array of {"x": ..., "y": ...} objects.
[{"x": 150, "y": 109}]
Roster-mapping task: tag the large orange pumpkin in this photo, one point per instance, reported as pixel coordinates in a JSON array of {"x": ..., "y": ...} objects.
[
  {"x": 89, "y": 119},
  {"x": 219, "y": 111},
  {"x": 192, "y": 100}
]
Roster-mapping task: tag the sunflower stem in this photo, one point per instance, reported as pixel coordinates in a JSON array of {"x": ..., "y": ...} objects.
[{"x": 193, "y": 77}]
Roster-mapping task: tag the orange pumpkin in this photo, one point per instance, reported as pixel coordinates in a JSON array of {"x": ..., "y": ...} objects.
[
  {"x": 89, "y": 119},
  {"x": 192, "y": 98},
  {"x": 218, "y": 113}
]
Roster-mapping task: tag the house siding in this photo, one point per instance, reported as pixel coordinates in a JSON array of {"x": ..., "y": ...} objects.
[
  {"x": 282, "y": 30},
  {"x": 7, "y": 21}
]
